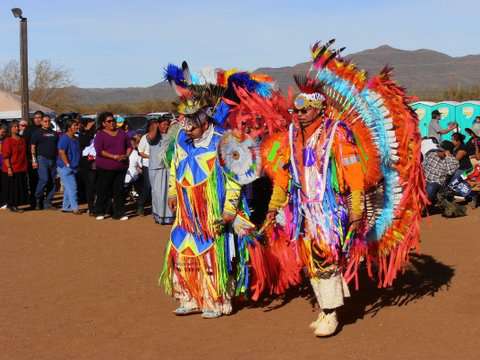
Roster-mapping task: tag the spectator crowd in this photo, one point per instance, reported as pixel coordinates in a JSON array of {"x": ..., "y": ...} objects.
[
  {"x": 100, "y": 163},
  {"x": 105, "y": 165},
  {"x": 451, "y": 168}
]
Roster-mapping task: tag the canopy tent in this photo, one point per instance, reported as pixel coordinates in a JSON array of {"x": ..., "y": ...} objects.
[{"x": 11, "y": 106}]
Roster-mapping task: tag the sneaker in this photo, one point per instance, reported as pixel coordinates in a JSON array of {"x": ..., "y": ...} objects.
[
  {"x": 3, "y": 207},
  {"x": 326, "y": 324},
  {"x": 182, "y": 311},
  {"x": 100, "y": 217},
  {"x": 211, "y": 314},
  {"x": 123, "y": 218},
  {"x": 16, "y": 209},
  {"x": 313, "y": 324}
]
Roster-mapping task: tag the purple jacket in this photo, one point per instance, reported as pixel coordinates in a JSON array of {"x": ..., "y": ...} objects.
[{"x": 115, "y": 145}]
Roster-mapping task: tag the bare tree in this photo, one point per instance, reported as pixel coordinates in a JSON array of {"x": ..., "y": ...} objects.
[
  {"x": 48, "y": 83},
  {"x": 10, "y": 76}
]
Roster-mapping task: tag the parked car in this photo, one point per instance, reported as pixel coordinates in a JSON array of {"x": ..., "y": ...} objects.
[
  {"x": 136, "y": 122},
  {"x": 160, "y": 114}
]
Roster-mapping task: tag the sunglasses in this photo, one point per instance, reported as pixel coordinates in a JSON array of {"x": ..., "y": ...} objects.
[
  {"x": 300, "y": 111},
  {"x": 109, "y": 121}
]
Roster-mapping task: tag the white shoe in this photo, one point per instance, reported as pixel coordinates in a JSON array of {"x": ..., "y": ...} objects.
[
  {"x": 100, "y": 217},
  {"x": 326, "y": 324},
  {"x": 123, "y": 218},
  {"x": 4, "y": 207},
  {"x": 313, "y": 324}
]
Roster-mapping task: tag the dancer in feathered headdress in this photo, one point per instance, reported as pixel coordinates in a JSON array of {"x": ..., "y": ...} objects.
[
  {"x": 347, "y": 178},
  {"x": 208, "y": 255}
]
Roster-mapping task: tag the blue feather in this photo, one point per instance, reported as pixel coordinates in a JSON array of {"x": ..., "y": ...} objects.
[
  {"x": 174, "y": 74},
  {"x": 242, "y": 79},
  {"x": 365, "y": 103},
  {"x": 221, "y": 113},
  {"x": 264, "y": 89},
  {"x": 195, "y": 79}
]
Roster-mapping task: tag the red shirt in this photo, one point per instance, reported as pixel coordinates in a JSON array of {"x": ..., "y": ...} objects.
[{"x": 16, "y": 151}]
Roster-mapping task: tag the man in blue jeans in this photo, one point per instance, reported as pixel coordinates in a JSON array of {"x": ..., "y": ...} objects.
[
  {"x": 44, "y": 156},
  {"x": 68, "y": 162}
]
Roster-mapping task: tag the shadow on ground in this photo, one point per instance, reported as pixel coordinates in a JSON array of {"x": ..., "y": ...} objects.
[{"x": 424, "y": 276}]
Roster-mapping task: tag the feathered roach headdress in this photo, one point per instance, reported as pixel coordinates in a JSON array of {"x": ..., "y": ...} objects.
[
  {"x": 311, "y": 89},
  {"x": 311, "y": 94},
  {"x": 198, "y": 97},
  {"x": 213, "y": 91}
]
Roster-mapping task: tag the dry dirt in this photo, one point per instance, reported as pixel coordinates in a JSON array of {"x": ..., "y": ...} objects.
[{"x": 75, "y": 288}]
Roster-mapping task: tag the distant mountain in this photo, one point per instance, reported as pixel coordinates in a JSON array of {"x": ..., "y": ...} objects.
[
  {"x": 93, "y": 96},
  {"x": 420, "y": 71}
]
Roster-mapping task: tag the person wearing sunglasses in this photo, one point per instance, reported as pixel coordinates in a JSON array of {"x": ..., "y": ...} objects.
[
  {"x": 22, "y": 126},
  {"x": 27, "y": 134},
  {"x": 198, "y": 267},
  {"x": 313, "y": 139},
  {"x": 44, "y": 157},
  {"x": 112, "y": 147}
]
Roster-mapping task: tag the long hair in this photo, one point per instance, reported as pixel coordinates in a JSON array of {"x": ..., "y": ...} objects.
[{"x": 10, "y": 125}]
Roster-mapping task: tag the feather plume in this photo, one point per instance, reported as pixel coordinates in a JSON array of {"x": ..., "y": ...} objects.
[
  {"x": 174, "y": 75},
  {"x": 186, "y": 73}
]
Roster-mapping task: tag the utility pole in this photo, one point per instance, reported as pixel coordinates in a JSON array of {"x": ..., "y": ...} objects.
[{"x": 23, "y": 62}]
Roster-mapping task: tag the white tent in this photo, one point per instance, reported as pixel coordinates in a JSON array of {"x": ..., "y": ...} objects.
[{"x": 11, "y": 106}]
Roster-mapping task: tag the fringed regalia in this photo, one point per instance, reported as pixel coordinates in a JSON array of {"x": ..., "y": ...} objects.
[
  {"x": 198, "y": 263},
  {"x": 208, "y": 261},
  {"x": 349, "y": 187}
]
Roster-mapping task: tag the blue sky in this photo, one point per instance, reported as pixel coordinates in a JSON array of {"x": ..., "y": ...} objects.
[{"x": 108, "y": 43}]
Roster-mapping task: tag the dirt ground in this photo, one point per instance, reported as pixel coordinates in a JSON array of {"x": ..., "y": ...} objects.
[{"x": 75, "y": 288}]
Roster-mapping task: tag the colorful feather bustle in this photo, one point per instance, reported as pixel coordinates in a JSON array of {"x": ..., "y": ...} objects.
[
  {"x": 387, "y": 130},
  {"x": 373, "y": 115},
  {"x": 258, "y": 114}
]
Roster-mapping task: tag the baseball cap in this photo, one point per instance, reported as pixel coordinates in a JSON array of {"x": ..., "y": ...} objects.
[
  {"x": 120, "y": 120},
  {"x": 446, "y": 146}
]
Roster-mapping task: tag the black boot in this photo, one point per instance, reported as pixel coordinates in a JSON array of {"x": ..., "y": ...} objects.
[{"x": 38, "y": 204}]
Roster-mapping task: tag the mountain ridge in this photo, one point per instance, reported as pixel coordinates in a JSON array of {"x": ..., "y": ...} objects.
[{"x": 421, "y": 71}]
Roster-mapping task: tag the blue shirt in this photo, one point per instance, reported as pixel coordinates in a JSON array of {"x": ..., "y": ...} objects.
[{"x": 72, "y": 150}]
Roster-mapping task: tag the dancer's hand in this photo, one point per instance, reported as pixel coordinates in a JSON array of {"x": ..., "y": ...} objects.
[
  {"x": 354, "y": 224},
  {"x": 172, "y": 204},
  {"x": 271, "y": 215},
  {"x": 228, "y": 218}
]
